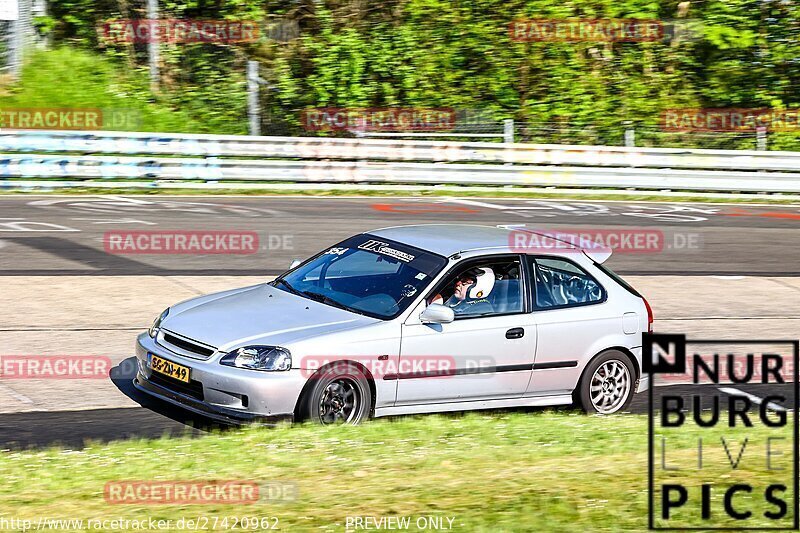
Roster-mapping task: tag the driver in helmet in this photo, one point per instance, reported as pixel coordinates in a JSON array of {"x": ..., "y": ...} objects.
[{"x": 469, "y": 292}]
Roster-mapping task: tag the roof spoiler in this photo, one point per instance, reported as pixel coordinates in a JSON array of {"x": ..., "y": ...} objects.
[
  {"x": 594, "y": 251},
  {"x": 598, "y": 255}
]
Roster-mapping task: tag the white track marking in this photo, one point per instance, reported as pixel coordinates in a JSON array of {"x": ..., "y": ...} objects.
[
  {"x": 474, "y": 203},
  {"x": 126, "y": 199},
  {"x": 24, "y": 225},
  {"x": 669, "y": 212},
  {"x": 14, "y": 394},
  {"x": 753, "y": 398},
  {"x": 80, "y": 198},
  {"x": 116, "y": 221}
]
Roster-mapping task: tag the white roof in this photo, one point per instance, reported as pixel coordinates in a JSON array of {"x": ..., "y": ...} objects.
[{"x": 448, "y": 239}]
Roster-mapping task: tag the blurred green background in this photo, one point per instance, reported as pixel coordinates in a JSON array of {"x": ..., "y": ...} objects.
[{"x": 428, "y": 53}]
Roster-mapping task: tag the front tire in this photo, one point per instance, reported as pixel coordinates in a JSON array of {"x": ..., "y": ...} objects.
[
  {"x": 339, "y": 394},
  {"x": 607, "y": 384}
]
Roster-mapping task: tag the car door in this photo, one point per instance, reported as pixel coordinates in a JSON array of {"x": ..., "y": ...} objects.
[
  {"x": 487, "y": 352},
  {"x": 570, "y": 317}
]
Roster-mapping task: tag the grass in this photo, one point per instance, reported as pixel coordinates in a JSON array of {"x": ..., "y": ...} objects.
[
  {"x": 67, "y": 77},
  {"x": 505, "y": 471}
]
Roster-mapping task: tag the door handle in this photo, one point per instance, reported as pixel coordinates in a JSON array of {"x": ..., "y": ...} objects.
[{"x": 515, "y": 333}]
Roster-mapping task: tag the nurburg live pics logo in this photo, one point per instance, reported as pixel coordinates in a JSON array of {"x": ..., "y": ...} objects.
[{"x": 722, "y": 433}]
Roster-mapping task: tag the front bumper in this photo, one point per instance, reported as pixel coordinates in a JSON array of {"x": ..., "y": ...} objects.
[{"x": 227, "y": 394}]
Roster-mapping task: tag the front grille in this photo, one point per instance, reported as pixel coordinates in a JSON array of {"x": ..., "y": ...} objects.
[
  {"x": 188, "y": 345},
  {"x": 193, "y": 388}
]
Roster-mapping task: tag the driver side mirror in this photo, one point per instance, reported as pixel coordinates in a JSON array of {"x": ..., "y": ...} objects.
[
  {"x": 295, "y": 263},
  {"x": 437, "y": 314}
]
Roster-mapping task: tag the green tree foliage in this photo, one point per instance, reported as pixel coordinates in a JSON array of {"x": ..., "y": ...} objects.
[{"x": 458, "y": 53}]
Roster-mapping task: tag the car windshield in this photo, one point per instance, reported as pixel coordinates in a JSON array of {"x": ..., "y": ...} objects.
[{"x": 365, "y": 274}]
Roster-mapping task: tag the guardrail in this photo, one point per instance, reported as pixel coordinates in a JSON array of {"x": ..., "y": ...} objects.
[{"x": 321, "y": 159}]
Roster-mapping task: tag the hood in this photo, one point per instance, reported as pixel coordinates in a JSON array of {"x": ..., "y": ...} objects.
[{"x": 259, "y": 315}]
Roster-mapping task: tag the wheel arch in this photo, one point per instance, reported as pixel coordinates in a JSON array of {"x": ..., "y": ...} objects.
[
  {"x": 631, "y": 356},
  {"x": 622, "y": 349}
]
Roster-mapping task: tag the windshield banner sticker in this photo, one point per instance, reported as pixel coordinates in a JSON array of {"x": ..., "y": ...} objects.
[{"x": 385, "y": 249}]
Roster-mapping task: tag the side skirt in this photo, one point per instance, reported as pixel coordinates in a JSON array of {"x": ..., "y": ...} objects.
[{"x": 540, "y": 401}]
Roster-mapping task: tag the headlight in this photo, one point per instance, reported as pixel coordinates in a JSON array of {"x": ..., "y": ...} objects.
[
  {"x": 153, "y": 331},
  {"x": 266, "y": 358}
]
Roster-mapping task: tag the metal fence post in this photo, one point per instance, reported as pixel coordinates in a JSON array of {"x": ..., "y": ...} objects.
[
  {"x": 253, "y": 110},
  {"x": 761, "y": 138},
  {"x": 630, "y": 133},
  {"x": 508, "y": 130},
  {"x": 15, "y": 12},
  {"x": 39, "y": 9},
  {"x": 152, "y": 46}
]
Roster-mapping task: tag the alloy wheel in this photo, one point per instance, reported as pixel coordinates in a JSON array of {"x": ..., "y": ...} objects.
[
  {"x": 610, "y": 386},
  {"x": 339, "y": 402}
]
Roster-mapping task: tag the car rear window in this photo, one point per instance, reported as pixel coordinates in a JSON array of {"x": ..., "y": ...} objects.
[{"x": 616, "y": 277}]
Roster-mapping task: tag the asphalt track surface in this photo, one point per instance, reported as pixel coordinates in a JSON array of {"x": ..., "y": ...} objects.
[
  {"x": 49, "y": 235},
  {"x": 65, "y": 235}
]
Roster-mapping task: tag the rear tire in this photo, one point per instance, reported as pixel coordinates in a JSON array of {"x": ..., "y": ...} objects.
[
  {"x": 607, "y": 384},
  {"x": 338, "y": 394}
]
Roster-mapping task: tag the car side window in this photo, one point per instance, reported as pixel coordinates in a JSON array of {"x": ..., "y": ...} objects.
[
  {"x": 561, "y": 283},
  {"x": 486, "y": 288}
]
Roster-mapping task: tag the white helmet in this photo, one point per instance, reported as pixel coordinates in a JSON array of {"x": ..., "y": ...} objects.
[{"x": 483, "y": 285}]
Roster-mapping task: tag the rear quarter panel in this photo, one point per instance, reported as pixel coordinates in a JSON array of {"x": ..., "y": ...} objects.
[{"x": 581, "y": 333}]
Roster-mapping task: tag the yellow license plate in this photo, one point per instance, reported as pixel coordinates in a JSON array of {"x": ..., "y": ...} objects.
[{"x": 168, "y": 368}]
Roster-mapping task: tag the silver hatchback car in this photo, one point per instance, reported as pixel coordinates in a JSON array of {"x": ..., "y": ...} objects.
[{"x": 411, "y": 319}]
